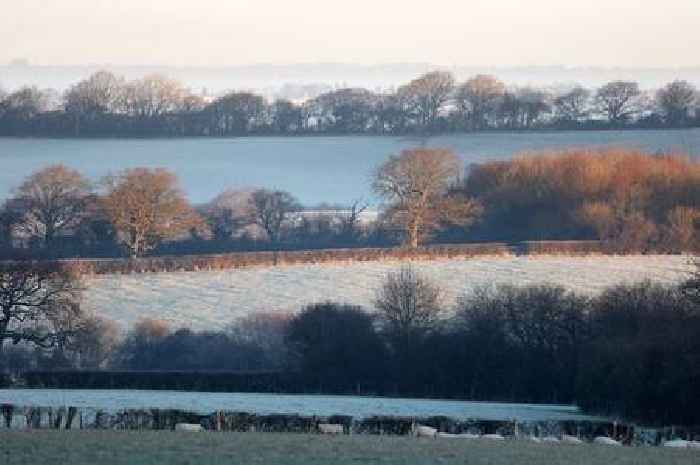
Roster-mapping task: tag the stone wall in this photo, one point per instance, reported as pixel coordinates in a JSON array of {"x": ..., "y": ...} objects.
[{"x": 72, "y": 418}]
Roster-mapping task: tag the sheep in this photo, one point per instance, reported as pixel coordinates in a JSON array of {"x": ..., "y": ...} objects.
[
  {"x": 604, "y": 440},
  {"x": 189, "y": 427},
  {"x": 571, "y": 439},
  {"x": 330, "y": 428},
  {"x": 458, "y": 436},
  {"x": 426, "y": 431}
]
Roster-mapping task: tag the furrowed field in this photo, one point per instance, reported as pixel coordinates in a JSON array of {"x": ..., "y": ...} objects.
[{"x": 212, "y": 299}]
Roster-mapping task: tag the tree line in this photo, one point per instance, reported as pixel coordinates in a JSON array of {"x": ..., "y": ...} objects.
[
  {"x": 56, "y": 212},
  {"x": 630, "y": 351},
  {"x": 105, "y": 104},
  {"x": 629, "y": 200}
]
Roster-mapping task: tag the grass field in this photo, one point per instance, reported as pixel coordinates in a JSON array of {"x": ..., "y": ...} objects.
[
  {"x": 149, "y": 448},
  {"x": 213, "y": 299}
]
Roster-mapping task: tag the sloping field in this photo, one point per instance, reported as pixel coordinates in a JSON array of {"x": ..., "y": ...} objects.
[{"x": 212, "y": 299}]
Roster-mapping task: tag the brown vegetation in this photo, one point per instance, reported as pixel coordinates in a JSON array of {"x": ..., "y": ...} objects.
[
  {"x": 147, "y": 206},
  {"x": 630, "y": 200},
  {"x": 51, "y": 202},
  {"x": 250, "y": 259},
  {"x": 417, "y": 184}
]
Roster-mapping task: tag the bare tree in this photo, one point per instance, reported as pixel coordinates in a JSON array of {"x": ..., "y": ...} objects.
[
  {"x": 425, "y": 96},
  {"x": 616, "y": 99},
  {"x": 344, "y": 110},
  {"x": 676, "y": 100},
  {"x": 681, "y": 232},
  {"x": 478, "y": 99},
  {"x": 23, "y": 105},
  {"x": 271, "y": 210},
  {"x": 154, "y": 96},
  {"x": 572, "y": 105},
  {"x": 147, "y": 207},
  {"x": 52, "y": 201},
  {"x": 417, "y": 184},
  {"x": 39, "y": 304},
  {"x": 265, "y": 331},
  {"x": 101, "y": 93},
  {"x": 228, "y": 213},
  {"x": 236, "y": 113},
  {"x": 94, "y": 340},
  {"x": 350, "y": 219},
  {"x": 286, "y": 116},
  {"x": 408, "y": 304}
]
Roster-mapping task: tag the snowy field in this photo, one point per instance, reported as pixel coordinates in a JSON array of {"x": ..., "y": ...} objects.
[
  {"x": 359, "y": 407},
  {"x": 212, "y": 299}
]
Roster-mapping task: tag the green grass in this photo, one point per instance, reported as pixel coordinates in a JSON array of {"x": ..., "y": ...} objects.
[{"x": 148, "y": 448}]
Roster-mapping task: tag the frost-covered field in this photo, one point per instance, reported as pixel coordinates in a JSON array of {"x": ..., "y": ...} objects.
[
  {"x": 212, "y": 299},
  {"x": 359, "y": 407}
]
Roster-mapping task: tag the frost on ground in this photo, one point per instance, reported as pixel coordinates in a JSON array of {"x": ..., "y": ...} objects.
[
  {"x": 263, "y": 404},
  {"x": 212, "y": 299}
]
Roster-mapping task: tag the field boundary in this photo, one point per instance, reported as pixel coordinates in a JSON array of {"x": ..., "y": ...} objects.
[{"x": 233, "y": 260}]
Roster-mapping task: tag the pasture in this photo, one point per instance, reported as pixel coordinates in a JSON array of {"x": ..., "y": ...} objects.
[
  {"x": 180, "y": 448},
  {"x": 213, "y": 299}
]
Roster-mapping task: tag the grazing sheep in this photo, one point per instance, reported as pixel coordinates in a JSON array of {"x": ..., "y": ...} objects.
[
  {"x": 330, "y": 428},
  {"x": 496, "y": 437},
  {"x": 426, "y": 431},
  {"x": 550, "y": 439},
  {"x": 604, "y": 440},
  {"x": 571, "y": 439},
  {"x": 458, "y": 436},
  {"x": 190, "y": 427}
]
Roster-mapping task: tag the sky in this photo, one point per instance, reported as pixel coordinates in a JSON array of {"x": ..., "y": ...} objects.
[{"x": 606, "y": 33}]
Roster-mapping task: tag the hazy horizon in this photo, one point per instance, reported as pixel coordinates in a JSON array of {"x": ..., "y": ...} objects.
[{"x": 450, "y": 33}]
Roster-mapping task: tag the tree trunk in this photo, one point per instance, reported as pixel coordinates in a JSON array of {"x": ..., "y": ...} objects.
[{"x": 413, "y": 234}]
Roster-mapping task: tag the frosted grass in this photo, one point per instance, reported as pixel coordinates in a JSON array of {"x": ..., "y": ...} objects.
[{"x": 213, "y": 299}]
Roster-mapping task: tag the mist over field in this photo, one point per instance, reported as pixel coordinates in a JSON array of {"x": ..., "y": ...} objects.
[
  {"x": 474, "y": 222},
  {"x": 293, "y": 81}
]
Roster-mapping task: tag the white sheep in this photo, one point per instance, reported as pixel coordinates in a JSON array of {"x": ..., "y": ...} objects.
[
  {"x": 426, "y": 431},
  {"x": 570, "y": 439},
  {"x": 458, "y": 436},
  {"x": 189, "y": 427},
  {"x": 606, "y": 441},
  {"x": 330, "y": 428}
]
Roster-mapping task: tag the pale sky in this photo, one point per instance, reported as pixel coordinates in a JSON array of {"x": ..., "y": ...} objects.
[{"x": 610, "y": 33}]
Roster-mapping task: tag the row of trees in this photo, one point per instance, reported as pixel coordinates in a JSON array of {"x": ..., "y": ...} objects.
[
  {"x": 632, "y": 201},
  {"x": 630, "y": 351},
  {"x": 57, "y": 212},
  {"x": 107, "y": 105}
]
